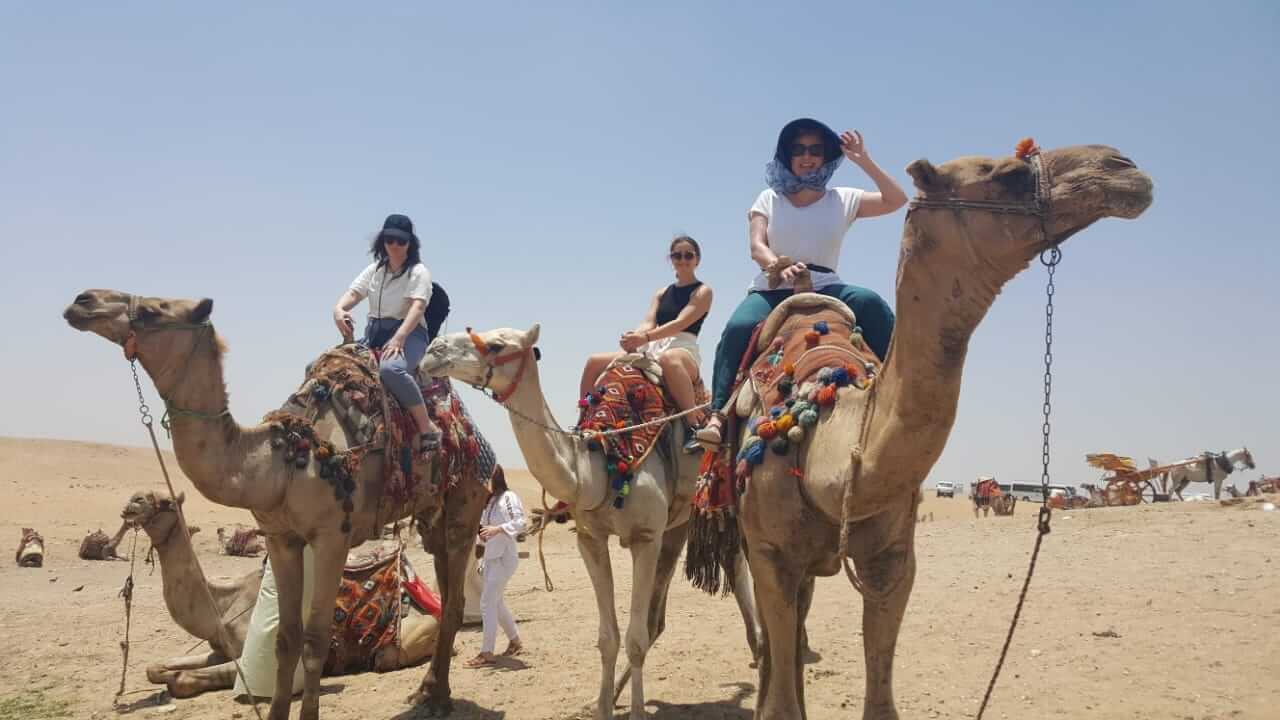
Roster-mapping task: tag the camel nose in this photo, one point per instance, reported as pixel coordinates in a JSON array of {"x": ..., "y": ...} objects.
[{"x": 1118, "y": 162}]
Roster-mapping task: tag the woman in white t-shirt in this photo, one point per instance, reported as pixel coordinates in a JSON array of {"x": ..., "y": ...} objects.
[
  {"x": 501, "y": 522},
  {"x": 398, "y": 287},
  {"x": 798, "y": 217}
]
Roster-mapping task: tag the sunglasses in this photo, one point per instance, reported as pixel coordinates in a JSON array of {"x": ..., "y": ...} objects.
[
  {"x": 817, "y": 150},
  {"x": 393, "y": 240},
  {"x": 677, "y": 255}
]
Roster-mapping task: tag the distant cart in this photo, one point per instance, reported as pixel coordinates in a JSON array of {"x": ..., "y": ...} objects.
[{"x": 1127, "y": 484}]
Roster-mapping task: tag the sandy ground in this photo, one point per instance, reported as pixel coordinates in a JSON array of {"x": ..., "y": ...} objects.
[{"x": 1170, "y": 611}]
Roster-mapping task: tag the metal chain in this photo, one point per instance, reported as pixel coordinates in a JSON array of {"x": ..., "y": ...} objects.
[
  {"x": 1050, "y": 259},
  {"x": 143, "y": 409}
]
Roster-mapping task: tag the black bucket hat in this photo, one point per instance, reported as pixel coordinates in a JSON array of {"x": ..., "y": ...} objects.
[
  {"x": 800, "y": 126},
  {"x": 399, "y": 226}
]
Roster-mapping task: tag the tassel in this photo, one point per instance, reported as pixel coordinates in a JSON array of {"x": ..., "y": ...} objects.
[
  {"x": 767, "y": 430},
  {"x": 827, "y": 396},
  {"x": 755, "y": 454},
  {"x": 784, "y": 423}
]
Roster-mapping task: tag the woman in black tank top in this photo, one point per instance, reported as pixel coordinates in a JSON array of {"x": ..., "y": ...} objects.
[{"x": 669, "y": 333}]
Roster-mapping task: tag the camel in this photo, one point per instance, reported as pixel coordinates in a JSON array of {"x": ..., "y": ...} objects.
[
  {"x": 653, "y": 523},
  {"x": 958, "y": 250},
  {"x": 156, "y": 515},
  {"x": 242, "y": 467},
  {"x": 1220, "y": 465},
  {"x": 97, "y": 546}
]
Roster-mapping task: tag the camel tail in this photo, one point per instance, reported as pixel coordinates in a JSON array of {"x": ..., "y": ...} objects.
[{"x": 714, "y": 544}]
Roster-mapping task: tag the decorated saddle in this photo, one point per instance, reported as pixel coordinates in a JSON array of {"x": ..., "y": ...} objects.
[
  {"x": 376, "y": 593},
  {"x": 30, "y": 549},
  {"x": 801, "y": 357},
  {"x": 346, "y": 379},
  {"x": 629, "y": 393}
]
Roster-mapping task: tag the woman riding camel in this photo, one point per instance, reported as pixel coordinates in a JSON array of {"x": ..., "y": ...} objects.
[
  {"x": 398, "y": 286},
  {"x": 669, "y": 334},
  {"x": 798, "y": 224}
]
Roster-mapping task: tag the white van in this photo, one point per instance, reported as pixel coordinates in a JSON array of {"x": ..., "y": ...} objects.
[{"x": 946, "y": 488}]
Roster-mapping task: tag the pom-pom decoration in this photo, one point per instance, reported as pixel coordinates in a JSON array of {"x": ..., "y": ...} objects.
[
  {"x": 1026, "y": 148},
  {"x": 827, "y": 396}
]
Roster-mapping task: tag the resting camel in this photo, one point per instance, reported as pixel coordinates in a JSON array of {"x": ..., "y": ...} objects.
[
  {"x": 181, "y": 577},
  {"x": 653, "y": 523},
  {"x": 956, "y": 255},
  {"x": 293, "y": 505}
]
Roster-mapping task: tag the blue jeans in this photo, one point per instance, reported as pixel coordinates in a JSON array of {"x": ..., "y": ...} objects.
[
  {"x": 873, "y": 313},
  {"x": 399, "y": 374}
]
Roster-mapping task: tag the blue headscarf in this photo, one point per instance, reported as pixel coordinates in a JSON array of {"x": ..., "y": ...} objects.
[{"x": 778, "y": 175}]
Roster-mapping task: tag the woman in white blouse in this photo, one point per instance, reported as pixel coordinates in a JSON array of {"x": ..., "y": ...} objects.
[
  {"x": 801, "y": 222},
  {"x": 503, "y": 519}
]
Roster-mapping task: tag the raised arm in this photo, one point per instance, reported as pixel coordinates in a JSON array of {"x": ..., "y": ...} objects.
[
  {"x": 342, "y": 314},
  {"x": 888, "y": 196}
]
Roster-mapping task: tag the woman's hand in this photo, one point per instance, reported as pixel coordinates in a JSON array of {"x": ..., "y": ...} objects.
[
  {"x": 853, "y": 147},
  {"x": 790, "y": 274},
  {"x": 346, "y": 326},
  {"x": 632, "y": 340},
  {"x": 488, "y": 532},
  {"x": 393, "y": 348}
]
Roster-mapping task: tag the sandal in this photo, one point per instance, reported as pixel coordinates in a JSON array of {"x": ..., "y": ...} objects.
[
  {"x": 709, "y": 435},
  {"x": 481, "y": 660},
  {"x": 514, "y": 648}
]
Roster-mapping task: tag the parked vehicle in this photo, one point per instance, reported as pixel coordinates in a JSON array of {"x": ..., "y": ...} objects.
[{"x": 946, "y": 489}]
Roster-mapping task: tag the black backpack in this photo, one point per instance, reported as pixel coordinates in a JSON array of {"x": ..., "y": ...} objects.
[{"x": 437, "y": 310}]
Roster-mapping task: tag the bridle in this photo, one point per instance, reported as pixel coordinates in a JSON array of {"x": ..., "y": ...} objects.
[
  {"x": 493, "y": 362},
  {"x": 130, "y": 346},
  {"x": 1039, "y": 206}
]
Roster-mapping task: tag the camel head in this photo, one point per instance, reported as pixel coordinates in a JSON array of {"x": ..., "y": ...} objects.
[
  {"x": 1086, "y": 183},
  {"x": 155, "y": 513},
  {"x": 493, "y": 360}
]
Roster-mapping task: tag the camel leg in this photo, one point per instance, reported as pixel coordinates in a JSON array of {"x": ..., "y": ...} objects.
[
  {"x": 330, "y": 557},
  {"x": 644, "y": 570},
  {"x": 190, "y": 683},
  {"x": 777, "y": 586},
  {"x": 807, "y": 655},
  {"x": 161, "y": 673},
  {"x": 889, "y": 574},
  {"x": 673, "y": 542},
  {"x": 595, "y": 554},
  {"x": 744, "y": 595},
  {"x": 285, "y": 555}
]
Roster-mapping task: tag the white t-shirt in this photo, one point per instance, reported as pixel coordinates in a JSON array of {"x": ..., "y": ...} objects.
[
  {"x": 388, "y": 294},
  {"x": 810, "y": 234}
]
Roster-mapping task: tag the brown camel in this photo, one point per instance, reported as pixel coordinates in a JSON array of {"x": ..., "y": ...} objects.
[
  {"x": 156, "y": 515},
  {"x": 293, "y": 505},
  {"x": 956, "y": 255}
]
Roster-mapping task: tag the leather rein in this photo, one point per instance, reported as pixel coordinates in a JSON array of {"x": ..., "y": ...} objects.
[{"x": 1039, "y": 206}]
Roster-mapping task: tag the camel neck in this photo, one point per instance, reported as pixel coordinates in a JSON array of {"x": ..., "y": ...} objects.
[
  {"x": 549, "y": 455},
  {"x": 182, "y": 580},
  {"x": 211, "y": 447}
]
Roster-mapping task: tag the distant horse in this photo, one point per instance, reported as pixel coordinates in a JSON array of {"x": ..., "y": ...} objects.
[{"x": 1211, "y": 467}]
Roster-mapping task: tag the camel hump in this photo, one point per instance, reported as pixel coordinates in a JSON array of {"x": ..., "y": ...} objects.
[{"x": 800, "y": 304}]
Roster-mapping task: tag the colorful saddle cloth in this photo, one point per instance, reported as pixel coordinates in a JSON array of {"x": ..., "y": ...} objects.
[
  {"x": 374, "y": 596},
  {"x": 346, "y": 378},
  {"x": 629, "y": 393},
  {"x": 804, "y": 354}
]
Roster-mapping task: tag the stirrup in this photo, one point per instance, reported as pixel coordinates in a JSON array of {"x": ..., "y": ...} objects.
[{"x": 710, "y": 434}]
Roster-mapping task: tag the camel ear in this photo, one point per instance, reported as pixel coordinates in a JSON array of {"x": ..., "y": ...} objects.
[
  {"x": 925, "y": 175},
  {"x": 531, "y": 335},
  {"x": 1015, "y": 176},
  {"x": 202, "y": 311}
]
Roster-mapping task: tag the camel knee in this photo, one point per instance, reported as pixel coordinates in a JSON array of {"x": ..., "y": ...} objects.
[
  {"x": 608, "y": 643},
  {"x": 159, "y": 674}
]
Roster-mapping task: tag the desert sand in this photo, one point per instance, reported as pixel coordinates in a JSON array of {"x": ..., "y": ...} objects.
[{"x": 1167, "y": 611}]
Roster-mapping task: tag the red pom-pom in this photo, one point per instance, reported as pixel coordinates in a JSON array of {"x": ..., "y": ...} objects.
[
  {"x": 623, "y": 467},
  {"x": 811, "y": 338},
  {"x": 1025, "y": 149},
  {"x": 827, "y": 395},
  {"x": 789, "y": 369},
  {"x": 583, "y": 404}
]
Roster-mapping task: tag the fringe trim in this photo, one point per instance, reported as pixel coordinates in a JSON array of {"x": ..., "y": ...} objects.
[{"x": 714, "y": 544}]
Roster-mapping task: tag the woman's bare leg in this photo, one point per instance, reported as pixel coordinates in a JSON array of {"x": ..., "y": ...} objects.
[
  {"x": 591, "y": 371},
  {"x": 678, "y": 373}
]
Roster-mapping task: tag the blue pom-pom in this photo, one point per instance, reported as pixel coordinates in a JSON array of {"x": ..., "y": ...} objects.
[
  {"x": 751, "y": 426},
  {"x": 775, "y": 413},
  {"x": 840, "y": 377},
  {"x": 617, "y": 482},
  {"x": 821, "y": 327},
  {"x": 779, "y": 445},
  {"x": 755, "y": 454},
  {"x": 857, "y": 329}
]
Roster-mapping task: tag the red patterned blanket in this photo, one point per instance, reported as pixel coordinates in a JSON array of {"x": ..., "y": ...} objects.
[{"x": 372, "y": 599}]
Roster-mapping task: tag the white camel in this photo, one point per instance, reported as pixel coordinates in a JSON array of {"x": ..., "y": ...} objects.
[
  {"x": 653, "y": 524},
  {"x": 1220, "y": 466}
]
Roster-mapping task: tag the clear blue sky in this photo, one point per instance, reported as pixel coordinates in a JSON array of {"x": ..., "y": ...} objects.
[{"x": 548, "y": 154}]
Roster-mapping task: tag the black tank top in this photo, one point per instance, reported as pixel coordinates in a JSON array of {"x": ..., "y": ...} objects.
[{"x": 673, "y": 300}]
